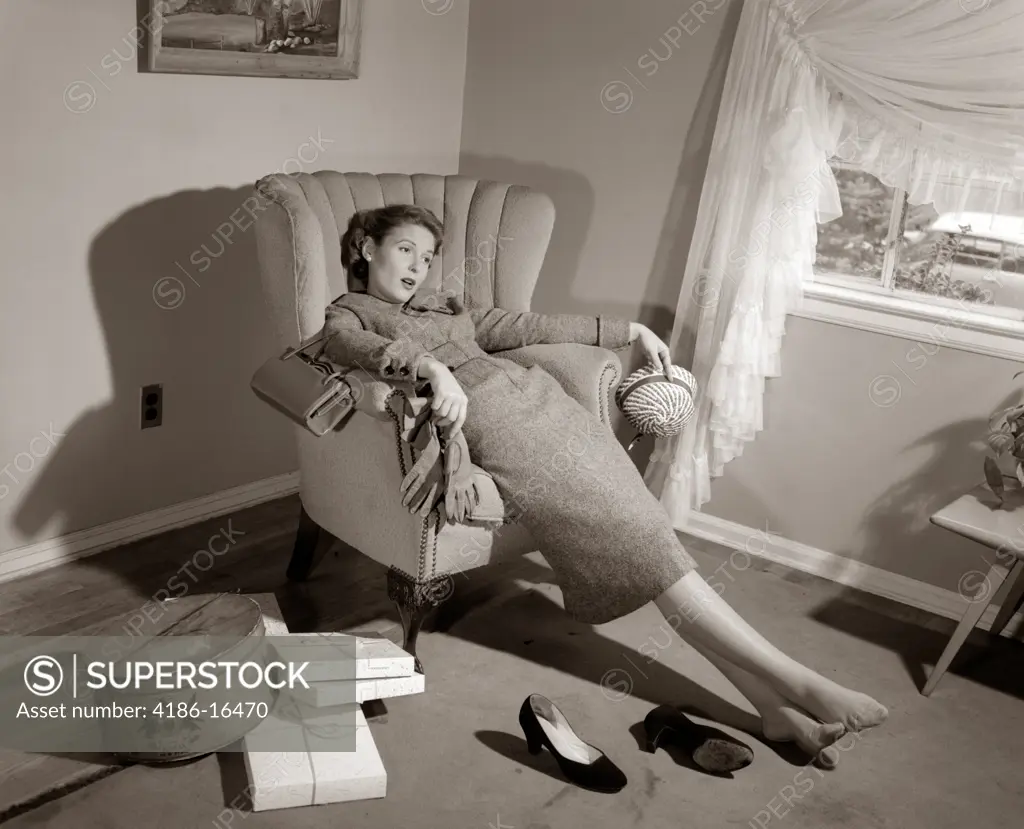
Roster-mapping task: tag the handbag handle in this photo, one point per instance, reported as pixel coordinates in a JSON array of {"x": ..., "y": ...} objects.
[{"x": 291, "y": 352}]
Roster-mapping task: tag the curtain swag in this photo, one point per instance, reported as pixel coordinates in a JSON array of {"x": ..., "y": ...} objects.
[{"x": 926, "y": 95}]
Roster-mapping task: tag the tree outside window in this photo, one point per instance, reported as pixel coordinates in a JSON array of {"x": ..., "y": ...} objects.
[{"x": 928, "y": 254}]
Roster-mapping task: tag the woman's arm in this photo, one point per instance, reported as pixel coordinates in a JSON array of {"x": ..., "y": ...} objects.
[
  {"x": 500, "y": 330},
  {"x": 352, "y": 346}
]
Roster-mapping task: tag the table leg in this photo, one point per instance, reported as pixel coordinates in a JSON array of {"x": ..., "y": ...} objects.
[
  {"x": 974, "y": 611},
  {"x": 1014, "y": 598}
]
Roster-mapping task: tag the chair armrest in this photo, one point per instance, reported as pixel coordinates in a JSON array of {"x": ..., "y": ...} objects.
[
  {"x": 370, "y": 394},
  {"x": 371, "y": 397},
  {"x": 588, "y": 374},
  {"x": 350, "y": 485}
]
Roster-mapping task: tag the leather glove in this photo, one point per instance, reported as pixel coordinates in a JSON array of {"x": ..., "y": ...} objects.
[
  {"x": 461, "y": 494},
  {"x": 423, "y": 486},
  {"x": 415, "y": 413}
]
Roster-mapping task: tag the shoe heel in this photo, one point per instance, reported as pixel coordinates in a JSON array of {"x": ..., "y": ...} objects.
[
  {"x": 533, "y": 740},
  {"x": 653, "y": 740}
]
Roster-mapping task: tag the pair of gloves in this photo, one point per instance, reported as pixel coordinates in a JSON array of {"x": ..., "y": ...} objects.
[{"x": 442, "y": 475}]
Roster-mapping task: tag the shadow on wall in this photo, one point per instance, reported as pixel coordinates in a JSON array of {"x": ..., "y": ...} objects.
[
  {"x": 177, "y": 290},
  {"x": 900, "y": 519},
  {"x": 901, "y": 516}
]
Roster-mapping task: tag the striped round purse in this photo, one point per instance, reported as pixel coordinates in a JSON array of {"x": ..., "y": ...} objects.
[{"x": 654, "y": 404}]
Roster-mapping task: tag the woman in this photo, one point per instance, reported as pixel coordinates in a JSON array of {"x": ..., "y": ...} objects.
[{"x": 607, "y": 538}]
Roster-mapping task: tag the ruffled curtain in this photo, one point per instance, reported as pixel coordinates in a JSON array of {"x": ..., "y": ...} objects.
[{"x": 926, "y": 95}]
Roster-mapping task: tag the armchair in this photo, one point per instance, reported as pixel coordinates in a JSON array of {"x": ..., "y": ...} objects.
[{"x": 495, "y": 239}]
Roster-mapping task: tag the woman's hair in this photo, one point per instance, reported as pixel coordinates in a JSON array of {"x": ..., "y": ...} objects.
[{"x": 376, "y": 224}]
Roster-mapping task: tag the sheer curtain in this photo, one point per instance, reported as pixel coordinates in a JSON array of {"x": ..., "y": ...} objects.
[{"x": 926, "y": 95}]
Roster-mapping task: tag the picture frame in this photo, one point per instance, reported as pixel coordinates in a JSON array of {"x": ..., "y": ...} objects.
[{"x": 259, "y": 38}]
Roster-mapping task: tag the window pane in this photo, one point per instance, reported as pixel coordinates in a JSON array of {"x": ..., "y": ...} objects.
[
  {"x": 975, "y": 258},
  {"x": 854, "y": 244}
]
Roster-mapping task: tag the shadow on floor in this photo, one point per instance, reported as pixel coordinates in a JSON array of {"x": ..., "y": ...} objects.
[
  {"x": 532, "y": 627},
  {"x": 983, "y": 659}
]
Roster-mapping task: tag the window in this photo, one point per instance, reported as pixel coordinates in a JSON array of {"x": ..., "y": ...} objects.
[{"x": 891, "y": 266}]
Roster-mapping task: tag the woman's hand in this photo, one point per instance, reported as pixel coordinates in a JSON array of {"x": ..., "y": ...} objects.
[
  {"x": 449, "y": 402},
  {"x": 657, "y": 351}
]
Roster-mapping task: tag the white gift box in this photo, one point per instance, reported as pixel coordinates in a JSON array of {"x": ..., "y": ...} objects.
[
  {"x": 338, "y": 692},
  {"x": 338, "y": 656},
  {"x": 282, "y": 778}
]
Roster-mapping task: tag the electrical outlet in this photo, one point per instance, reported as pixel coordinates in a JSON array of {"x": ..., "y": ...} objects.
[{"x": 152, "y": 405}]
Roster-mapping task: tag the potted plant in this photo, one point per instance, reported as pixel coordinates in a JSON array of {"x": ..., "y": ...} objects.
[{"x": 1005, "y": 442}]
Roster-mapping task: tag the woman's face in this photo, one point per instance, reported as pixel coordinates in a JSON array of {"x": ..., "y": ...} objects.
[{"x": 399, "y": 264}]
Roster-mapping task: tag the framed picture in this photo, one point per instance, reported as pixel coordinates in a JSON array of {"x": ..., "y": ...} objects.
[{"x": 265, "y": 38}]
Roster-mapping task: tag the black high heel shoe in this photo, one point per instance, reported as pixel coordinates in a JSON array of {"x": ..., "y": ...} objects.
[
  {"x": 544, "y": 725},
  {"x": 711, "y": 749}
]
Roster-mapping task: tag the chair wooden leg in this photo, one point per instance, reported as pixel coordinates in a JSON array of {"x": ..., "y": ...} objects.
[
  {"x": 310, "y": 547},
  {"x": 415, "y": 599},
  {"x": 975, "y": 609},
  {"x": 1014, "y": 598}
]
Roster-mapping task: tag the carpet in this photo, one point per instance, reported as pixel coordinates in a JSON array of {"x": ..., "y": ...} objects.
[{"x": 456, "y": 757}]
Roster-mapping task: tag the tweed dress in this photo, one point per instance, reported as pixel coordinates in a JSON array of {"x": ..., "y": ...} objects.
[{"x": 558, "y": 468}]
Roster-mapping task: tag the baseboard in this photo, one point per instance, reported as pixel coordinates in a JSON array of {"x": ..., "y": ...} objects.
[
  {"x": 55, "y": 551},
  {"x": 803, "y": 557}
]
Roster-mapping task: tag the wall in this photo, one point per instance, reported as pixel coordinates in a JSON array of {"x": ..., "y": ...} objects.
[
  {"x": 116, "y": 179},
  {"x": 858, "y": 473},
  {"x": 607, "y": 106},
  {"x": 609, "y": 109}
]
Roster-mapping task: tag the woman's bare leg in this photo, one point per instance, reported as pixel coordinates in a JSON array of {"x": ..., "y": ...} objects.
[
  {"x": 703, "y": 618},
  {"x": 781, "y": 721}
]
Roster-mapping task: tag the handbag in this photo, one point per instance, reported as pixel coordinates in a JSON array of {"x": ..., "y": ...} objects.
[
  {"x": 309, "y": 390},
  {"x": 655, "y": 404}
]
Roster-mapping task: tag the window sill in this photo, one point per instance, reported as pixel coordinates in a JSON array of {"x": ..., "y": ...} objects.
[{"x": 917, "y": 320}]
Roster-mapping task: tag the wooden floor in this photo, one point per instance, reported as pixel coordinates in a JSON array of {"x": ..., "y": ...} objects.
[
  {"x": 347, "y": 592},
  {"x": 346, "y": 589}
]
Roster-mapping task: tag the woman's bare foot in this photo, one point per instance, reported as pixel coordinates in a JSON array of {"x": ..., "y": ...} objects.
[
  {"x": 781, "y": 720},
  {"x": 830, "y": 702},
  {"x": 787, "y": 724},
  {"x": 713, "y": 627}
]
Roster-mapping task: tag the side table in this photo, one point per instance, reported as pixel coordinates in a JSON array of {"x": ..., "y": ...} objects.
[{"x": 980, "y": 516}]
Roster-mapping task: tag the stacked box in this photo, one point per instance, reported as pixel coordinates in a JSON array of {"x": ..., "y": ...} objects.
[
  {"x": 354, "y": 669},
  {"x": 338, "y": 656},
  {"x": 344, "y": 671},
  {"x": 337, "y": 692},
  {"x": 281, "y": 778}
]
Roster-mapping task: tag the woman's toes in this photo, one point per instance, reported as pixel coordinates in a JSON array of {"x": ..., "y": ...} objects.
[
  {"x": 822, "y": 735},
  {"x": 819, "y": 741},
  {"x": 792, "y": 725},
  {"x": 871, "y": 714}
]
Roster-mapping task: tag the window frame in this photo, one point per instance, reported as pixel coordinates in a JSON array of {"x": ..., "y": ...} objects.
[{"x": 875, "y": 305}]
